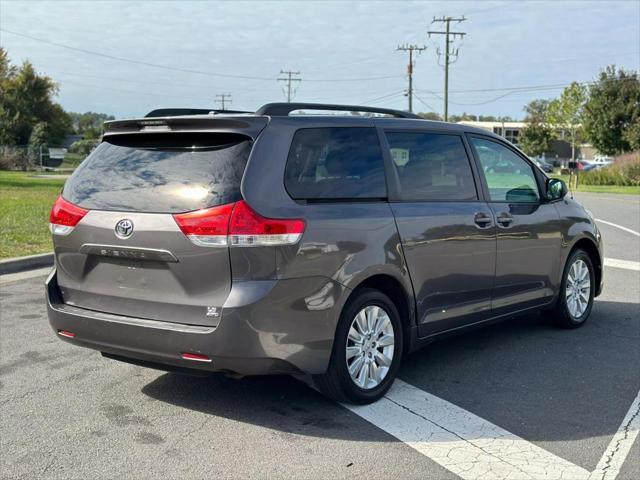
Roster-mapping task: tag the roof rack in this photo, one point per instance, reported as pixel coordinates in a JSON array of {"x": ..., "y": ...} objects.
[
  {"x": 174, "y": 112},
  {"x": 284, "y": 109}
]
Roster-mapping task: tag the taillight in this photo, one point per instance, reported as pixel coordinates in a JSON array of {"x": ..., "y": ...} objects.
[
  {"x": 238, "y": 225},
  {"x": 64, "y": 216},
  {"x": 208, "y": 227},
  {"x": 247, "y": 228}
]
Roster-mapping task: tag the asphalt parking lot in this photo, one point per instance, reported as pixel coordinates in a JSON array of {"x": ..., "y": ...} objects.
[{"x": 520, "y": 399}]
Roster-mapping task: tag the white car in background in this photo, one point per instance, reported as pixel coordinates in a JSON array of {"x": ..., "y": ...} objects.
[{"x": 599, "y": 161}]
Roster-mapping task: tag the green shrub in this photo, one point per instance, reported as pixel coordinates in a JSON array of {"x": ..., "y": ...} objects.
[
  {"x": 14, "y": 158},
  {"x": 625, "y": 171},
  {"x": 83, "y": 147}
]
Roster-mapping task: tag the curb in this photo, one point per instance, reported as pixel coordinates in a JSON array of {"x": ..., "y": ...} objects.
[{"x": 30, "y": 262}]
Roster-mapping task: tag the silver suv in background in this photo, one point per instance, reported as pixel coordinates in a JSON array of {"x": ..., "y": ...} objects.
[{"x": 323, "y": 245}]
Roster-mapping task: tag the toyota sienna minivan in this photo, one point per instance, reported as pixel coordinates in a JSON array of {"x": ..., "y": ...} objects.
[{"x": 321, "y": 245}]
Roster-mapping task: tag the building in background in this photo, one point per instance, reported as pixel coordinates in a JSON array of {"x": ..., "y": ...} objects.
[{"x": 560, "y": 151}]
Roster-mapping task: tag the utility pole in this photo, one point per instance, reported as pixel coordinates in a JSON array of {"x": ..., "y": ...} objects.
[
  {"x": 288, "y": 79},
  {"x": 222, "y": 99},
  {"x": 410, "y": 48},
  {"x": 447, "y": 53}
]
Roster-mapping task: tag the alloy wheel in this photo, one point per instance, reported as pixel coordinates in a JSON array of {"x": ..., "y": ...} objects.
[
  {"x": 578, "y": 288},
  {"x": 370, "y": 347}
]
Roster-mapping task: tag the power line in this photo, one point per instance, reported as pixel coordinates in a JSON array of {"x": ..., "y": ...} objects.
[
  {"x": 410, "y": 48},
  {"x": 424, "y": 103},
  {"x": 223, "y": 99},
  {"x": 510, "y": 91},
  {"x": 360, "y": 79},
  {"x": 524, "y": 88},
  {"x": 448, "y": 52},
  {"x": 288, "y": 79},
  {"x": 388, "y": 96},
  {"x": 136, "y": 62},
  {"x": 184, "y": 70}
]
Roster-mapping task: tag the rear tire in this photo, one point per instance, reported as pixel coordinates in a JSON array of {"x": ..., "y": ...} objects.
[
  {"x": 366, "y": 354},
  {"x": 575, "y": 299}
]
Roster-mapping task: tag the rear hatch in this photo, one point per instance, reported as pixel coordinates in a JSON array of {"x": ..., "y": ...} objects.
[{"x": 133, "y": 251}]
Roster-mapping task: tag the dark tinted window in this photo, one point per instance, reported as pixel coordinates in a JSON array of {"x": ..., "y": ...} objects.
[
  {"x": 431, "y": 167},
  {"x": 167, "y": 173},
  {"x": 334, "y": 163}
]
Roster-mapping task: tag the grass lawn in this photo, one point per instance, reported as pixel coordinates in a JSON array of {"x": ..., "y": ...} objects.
[
  {"x": 608, "y": 189},
  {"x": 24, "y": 212},
  {"x": 630, "y": 190}
]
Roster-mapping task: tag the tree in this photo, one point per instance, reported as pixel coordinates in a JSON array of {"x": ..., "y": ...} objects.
[
  {"x": 27, "y": 99},
  {"x": 631, "y": 135},
  {"x": 462, "y": 118},
  {"x": 7, "y": 72},
  {"x": 430, "y": 116},
  {"x": 612, "y": 113},
  {"x": 567, "y": 113},
  {"x": 89, "y": 124},
  {"x": 38, "y": 140},
  {"x": 535, "y": 139}
]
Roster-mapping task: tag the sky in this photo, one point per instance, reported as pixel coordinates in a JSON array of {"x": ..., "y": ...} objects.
[{"x": 127, "y": 58}]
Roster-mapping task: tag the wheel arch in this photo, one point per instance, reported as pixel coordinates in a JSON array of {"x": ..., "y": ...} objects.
[
  {"x": 400, "y": 297},
  {"x": 590, "y": 247}
]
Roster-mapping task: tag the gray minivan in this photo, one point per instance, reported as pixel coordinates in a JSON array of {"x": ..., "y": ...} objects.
[{"x": 321, "y": 245}]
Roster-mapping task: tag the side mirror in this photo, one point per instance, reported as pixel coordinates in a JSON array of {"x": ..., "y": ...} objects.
[{"x": 556, "y": 189}]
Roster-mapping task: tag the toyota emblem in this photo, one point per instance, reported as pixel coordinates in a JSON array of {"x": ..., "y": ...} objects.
[{"x": 124, "y": 228}]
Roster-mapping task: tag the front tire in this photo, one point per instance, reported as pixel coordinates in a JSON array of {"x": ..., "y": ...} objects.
[
  {"x": 576, "y": 291},
  {"x": 367, "y": 350}
]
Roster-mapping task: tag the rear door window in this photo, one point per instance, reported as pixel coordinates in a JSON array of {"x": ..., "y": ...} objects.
[
  {"x": 161, "y": 173},
  {"x": 335, "y": 163},
  {"x": 431, "y": 167}
]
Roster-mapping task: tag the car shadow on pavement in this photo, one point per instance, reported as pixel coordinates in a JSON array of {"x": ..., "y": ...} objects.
[
  {"x": 277, "y": 402},
  {"x": 525, "y": 375}
]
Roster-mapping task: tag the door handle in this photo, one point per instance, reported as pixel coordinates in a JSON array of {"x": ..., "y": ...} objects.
[
  {"x": 482, "y": 219},
  {"x": 504, "y": 219}
]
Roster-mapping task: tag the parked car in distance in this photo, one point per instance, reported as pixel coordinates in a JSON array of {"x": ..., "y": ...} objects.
[
  {"x": 598, "y": 161},
  {"x": 322, "y": 246},
  {"x": 586, "y": 166},
  {"x": 546, "y": 167}
]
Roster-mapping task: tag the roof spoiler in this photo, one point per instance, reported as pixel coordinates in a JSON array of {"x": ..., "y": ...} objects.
[
  {"x": 284, "y": 109},
  {"x": 249, "y": 125},
  {"x": 176, "y": 112}
]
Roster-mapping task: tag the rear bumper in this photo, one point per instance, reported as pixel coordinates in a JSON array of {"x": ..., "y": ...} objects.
[{"x": 266, "y": 327}]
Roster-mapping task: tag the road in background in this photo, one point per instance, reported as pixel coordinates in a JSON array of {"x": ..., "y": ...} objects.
[
  {"x": 66, "y": 412},
  {"x": 620, "y": 210}
]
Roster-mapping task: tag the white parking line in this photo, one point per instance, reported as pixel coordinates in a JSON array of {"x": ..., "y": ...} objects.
[
  {"x": 460, "y": 441},
  {"x": 624, "y": 229},
  {"x": 609, "y": 466},
  {"x": 626, "y": 264}
]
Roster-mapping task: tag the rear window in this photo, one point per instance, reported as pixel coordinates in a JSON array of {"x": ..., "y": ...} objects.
[
  {"x": 335, "y": 163},
  {"x": 161, "y": 173}
]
